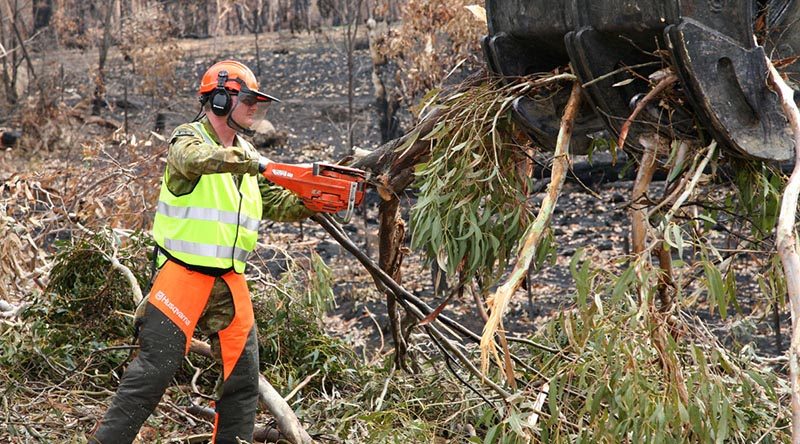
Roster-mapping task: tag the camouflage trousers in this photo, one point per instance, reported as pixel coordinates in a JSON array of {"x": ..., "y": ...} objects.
[{"x": 181, "y": 301}]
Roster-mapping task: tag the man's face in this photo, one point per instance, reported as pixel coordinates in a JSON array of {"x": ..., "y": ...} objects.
[
  {"x": 250, "y": 113},
  {"x": 242, "y": 113}
]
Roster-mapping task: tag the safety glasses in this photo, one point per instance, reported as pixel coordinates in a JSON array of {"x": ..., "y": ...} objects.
[{"x": 250, "y": 97}]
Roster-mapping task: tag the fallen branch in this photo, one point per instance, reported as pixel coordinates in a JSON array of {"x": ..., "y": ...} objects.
[
  {"x": 192, "y": 439},
  {"x": 499, "y": 301},
  {"x": 300, "y": 386},
  {"x": 9, "y": 311},
  {"x": 660, "y": 86},
  {"x": 287, "y": 421},
  {"x": 652, "y": 144},
  {"x": 411, "y": 303},
  {"x": 786, "y": 241}
]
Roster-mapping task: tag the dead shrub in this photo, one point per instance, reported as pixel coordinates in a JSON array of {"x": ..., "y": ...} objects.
[
  {"x": 147, "y": 44},
  {"x": 435, "y": 38},
  {"x": 76, "y": 24}
]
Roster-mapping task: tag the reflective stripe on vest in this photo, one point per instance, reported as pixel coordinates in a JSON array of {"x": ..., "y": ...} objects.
[
  {"x": 205, "y": 249},
  {"x": 211, "y": 214},
  {"x": 216, "y": 225}
]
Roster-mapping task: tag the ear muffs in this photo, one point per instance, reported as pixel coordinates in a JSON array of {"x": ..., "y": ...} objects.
[{"x": 220, "y": 97}]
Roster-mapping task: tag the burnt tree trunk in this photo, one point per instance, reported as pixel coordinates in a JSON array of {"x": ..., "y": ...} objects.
[
  {"x": 212, "y": 12},
  {"x": 42, "y": 11},
  {"x": 100, "y": 82},
  {"x": 395, "y": 172},
  {"x": 386, "y": 103},
  {"x": 11, "y": 61},
  {"x": 392, "y": 233}
]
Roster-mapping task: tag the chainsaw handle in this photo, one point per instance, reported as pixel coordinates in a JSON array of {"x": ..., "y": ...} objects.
[{"x": 263, "y": 163}]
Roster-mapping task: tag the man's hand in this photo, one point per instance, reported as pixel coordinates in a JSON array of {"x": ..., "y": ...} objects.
[{"x": 262, "y": 164}]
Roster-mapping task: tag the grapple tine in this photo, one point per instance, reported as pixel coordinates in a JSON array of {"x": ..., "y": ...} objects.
[{"x": 710, "y": 45}]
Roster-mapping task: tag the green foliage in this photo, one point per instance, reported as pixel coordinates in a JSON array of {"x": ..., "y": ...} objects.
[
  {"x": 720, "y": 225},
  {"x": 614, "y": 379},
  {"x": 292, "y": 341},
  {"x": 380, "y": 405},
  {"x": 472, "y": 206},
  {"x": 610, "y": 381},
  {"x": 753, "y": 206},
  {"x": 772, "y": 283},
  {"x": 80, "y": 312},
  {"x": 760, "y": 187}
]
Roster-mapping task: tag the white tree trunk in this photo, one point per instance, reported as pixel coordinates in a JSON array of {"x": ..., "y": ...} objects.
[{"x": 787, "y": 244}]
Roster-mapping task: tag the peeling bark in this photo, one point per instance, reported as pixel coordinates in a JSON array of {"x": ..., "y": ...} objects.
[
  {"x": 647, "y": 166},
  {"x": 786, "y": 240},
  {"x": 533, "y": 235},
  {"x": 392, "y": 233}
]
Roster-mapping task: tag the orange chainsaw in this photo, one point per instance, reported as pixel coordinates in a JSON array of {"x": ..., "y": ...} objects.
[{"x": 322, "y": 187}]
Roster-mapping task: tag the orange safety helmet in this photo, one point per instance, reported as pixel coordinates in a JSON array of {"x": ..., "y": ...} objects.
[{"x": 236, "y": 78}]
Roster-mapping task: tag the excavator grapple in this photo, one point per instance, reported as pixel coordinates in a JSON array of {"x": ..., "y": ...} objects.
[{"x": 718, "y": 49}]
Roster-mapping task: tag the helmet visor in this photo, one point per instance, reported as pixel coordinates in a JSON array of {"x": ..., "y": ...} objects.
[
  {"x": 250, "y": 95},
  {"x": 250, "y": 112},
  {"x": 250, "y": 115}
]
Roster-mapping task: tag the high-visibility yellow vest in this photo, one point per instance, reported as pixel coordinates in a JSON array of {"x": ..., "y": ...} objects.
[{"x": 216, "y": 225}]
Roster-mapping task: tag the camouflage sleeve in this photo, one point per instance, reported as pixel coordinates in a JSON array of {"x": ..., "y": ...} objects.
[
  {"x": 281, "y": 204},
  {"x": 190, "y": 156}
]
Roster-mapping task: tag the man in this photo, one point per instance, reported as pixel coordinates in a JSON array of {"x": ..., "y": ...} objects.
[{"x": 206, "y": 224}]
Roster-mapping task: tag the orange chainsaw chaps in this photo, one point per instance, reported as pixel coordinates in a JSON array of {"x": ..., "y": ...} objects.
[
  {"x": 216, "y": 422},
  {"x": 234, "y": 337},
  {"x": 181, "y": 294}
]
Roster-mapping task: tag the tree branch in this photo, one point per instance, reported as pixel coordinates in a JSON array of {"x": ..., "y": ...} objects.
[
  {"x": 660, "y": 86},
  {"x": 287, "y": 421},
  {"x": 786, "y": 240},
  {"x": 411, "y": 303},
  {"x": 499, "y": 301},
  {"x": 647, "y": 165}
]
